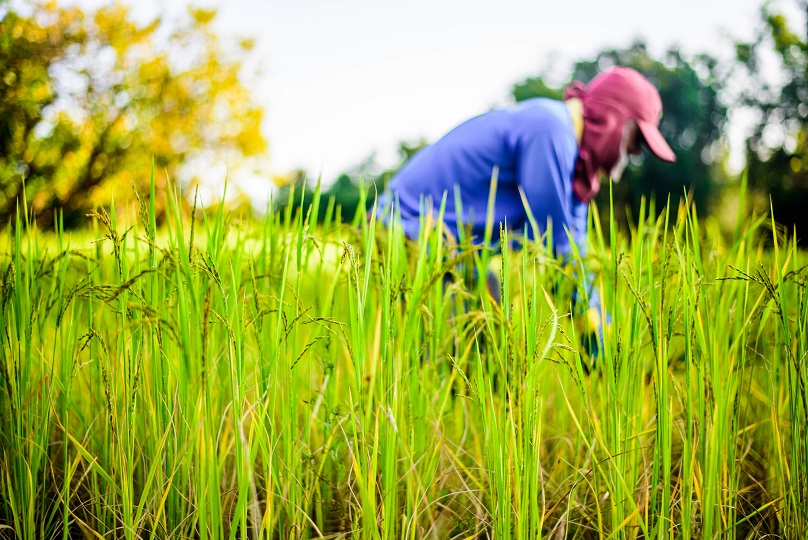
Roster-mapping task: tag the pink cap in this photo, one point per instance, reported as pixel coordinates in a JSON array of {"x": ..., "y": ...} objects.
[{"x": 626, "y": 89}]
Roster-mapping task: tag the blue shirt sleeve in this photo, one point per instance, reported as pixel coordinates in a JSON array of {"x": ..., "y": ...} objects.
[
  {"x": 579, "y": 223},
  {"x": 547, "y": 183},
  {"x": 545, "y": 178}
]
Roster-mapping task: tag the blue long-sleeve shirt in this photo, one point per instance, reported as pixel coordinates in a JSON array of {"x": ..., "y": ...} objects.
[{"x": 534, "y": 146}]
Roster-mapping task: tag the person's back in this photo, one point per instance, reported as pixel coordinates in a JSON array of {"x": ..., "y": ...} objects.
[{"x": 532, "y": 145}]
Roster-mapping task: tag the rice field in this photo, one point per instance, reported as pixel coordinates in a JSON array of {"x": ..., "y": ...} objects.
[{"x": 224, "y": 378}]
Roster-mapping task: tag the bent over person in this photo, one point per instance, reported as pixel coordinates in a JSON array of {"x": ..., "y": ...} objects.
[{"x": 552, "y": 151}]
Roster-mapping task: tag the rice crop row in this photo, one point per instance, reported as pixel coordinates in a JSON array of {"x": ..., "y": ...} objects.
[{"x": 226, "y": 378}]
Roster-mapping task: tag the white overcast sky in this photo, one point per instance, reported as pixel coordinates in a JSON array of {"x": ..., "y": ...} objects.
[{"x": 345, "y": 78}]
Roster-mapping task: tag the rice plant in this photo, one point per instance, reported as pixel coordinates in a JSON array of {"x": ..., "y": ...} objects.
[{"x": 218, "y": 377}]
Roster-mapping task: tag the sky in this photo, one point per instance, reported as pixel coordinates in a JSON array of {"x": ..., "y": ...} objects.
[{"x": 342, "y": 79}]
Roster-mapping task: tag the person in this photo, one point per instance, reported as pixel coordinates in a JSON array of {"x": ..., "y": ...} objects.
[{"x": 548, "y": 156}]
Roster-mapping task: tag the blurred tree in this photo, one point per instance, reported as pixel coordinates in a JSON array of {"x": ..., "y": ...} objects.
[
  {"x": 29, "y": 46},
  {"x": 692, "y": 124},
  {"x": 535, "y": 87},
  {"x": 90, "y": 102},
  {"x": 777, "y": 151},
  {"x": 346, "y": 189}
]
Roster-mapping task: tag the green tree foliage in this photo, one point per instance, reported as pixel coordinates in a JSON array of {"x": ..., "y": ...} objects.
[
  {"x": 692, "y": 123},
  {"x": 777, "y": 151},
  {"x": 346, "y": 190},
  {"x": 90, "y": 103},
  {"x": 535, "y": 87}
]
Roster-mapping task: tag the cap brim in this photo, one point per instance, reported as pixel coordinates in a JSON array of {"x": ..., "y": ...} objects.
[{"x": 655, "y": 142}]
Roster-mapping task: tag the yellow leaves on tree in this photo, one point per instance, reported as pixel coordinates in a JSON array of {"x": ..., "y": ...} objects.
[{"x": 89, "y": 102}]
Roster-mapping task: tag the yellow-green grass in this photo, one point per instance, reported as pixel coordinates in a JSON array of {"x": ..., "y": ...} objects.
[{"x": 220, "y": 378}]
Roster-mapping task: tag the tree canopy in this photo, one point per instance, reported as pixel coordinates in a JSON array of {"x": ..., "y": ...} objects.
[
  {"x": 91, "y": 104},
  {"x": 777, "y": 150},
  {"x": 346, "y": 190}
]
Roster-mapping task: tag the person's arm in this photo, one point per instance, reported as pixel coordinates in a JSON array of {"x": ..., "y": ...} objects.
[{"x": 543, "y": 171}]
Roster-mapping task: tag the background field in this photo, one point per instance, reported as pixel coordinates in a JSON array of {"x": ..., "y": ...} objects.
[{"x": 220, "y": 378}]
